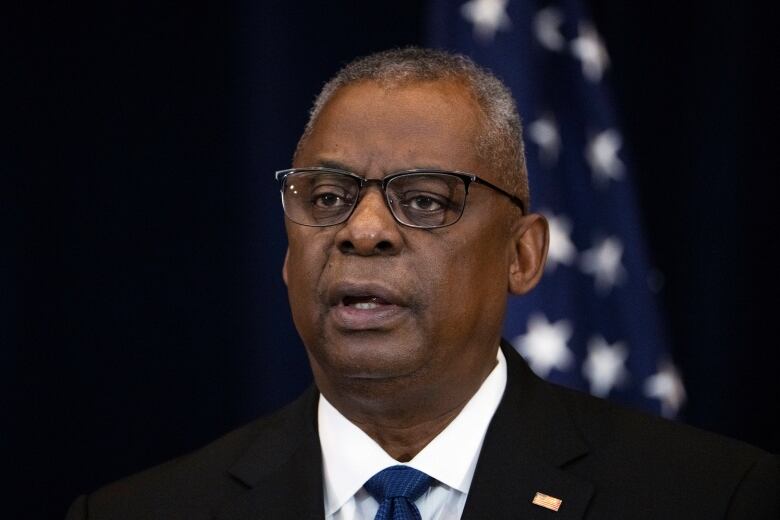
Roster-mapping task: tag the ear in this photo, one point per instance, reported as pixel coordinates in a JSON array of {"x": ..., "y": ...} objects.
[
  {"x": 530, "y": 240},
  {"x": 284, "y": 267}
]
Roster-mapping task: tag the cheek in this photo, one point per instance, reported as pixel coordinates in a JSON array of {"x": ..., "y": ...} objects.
[
  {"x": 469, "y": 275},
  {"x": 306, "y": 260},
  {"x": 477, "y": 258},
  {"x": 479, "y": 275}
]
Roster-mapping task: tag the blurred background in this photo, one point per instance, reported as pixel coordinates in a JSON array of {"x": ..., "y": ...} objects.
[{"x": 143, "y": 312}]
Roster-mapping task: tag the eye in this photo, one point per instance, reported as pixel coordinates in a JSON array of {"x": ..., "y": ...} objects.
[
  {"x": 424, "y": 202},
  {"x": 327, "y": 200},
  {"x": 329, "y": 197}
]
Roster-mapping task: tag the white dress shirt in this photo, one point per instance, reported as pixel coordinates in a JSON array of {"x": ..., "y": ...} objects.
[{"x": 350, "y": 457}]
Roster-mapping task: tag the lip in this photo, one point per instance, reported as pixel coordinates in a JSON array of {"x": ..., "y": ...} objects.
[
  {"x": 341, "y": 290},
  {"x": 391, "y": 309}
]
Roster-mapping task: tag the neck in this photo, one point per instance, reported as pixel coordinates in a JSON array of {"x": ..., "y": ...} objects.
[{"x": 382, "y": 409}]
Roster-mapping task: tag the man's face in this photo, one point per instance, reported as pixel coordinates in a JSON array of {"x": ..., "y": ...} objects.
[{"x": 374, "y": 299}]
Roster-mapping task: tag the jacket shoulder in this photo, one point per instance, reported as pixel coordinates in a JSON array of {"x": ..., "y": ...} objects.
[
  {"x": 629, "y": 448},
  {"x": 605, "y": 423},
  {"x": 194, "y": 485}
]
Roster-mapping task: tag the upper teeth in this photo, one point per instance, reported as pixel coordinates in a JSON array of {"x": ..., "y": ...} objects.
[{"x": 366, "y": 305}]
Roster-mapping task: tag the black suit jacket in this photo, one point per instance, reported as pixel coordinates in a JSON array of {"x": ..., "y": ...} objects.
[{"x": 602, "y": 461}]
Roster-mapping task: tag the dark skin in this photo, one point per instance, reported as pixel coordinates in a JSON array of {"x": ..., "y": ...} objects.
[{"x": 403, "y": 366}]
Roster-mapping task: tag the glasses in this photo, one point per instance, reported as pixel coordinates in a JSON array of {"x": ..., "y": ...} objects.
[{"x": 424, "y": 199}]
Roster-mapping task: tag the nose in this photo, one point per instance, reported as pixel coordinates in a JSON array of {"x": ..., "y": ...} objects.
[{"x": 371, "y": 229}]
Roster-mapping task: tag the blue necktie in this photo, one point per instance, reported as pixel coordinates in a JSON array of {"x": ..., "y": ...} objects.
[{"x": 396, "y": 488}]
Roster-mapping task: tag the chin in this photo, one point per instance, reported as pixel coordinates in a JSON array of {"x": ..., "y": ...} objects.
[{"x": 368, "y": 355}]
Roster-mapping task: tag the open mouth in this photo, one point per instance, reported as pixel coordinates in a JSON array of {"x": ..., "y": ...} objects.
[
  {"x": 366, "y": 306},
  {"x": 365, "y": 303}
]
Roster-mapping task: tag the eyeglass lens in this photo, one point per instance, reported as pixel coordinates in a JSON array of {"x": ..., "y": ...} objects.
[{"x": 424, "y": 200}]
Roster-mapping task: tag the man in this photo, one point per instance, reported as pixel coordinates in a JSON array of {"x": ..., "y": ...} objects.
[{"x": 407, "y": 214}]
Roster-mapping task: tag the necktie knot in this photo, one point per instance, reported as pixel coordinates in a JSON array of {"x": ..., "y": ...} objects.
[{"x": 396, "y": 488}]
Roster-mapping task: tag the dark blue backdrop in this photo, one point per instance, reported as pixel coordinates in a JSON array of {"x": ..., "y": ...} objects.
[{"x": 143, "y": 312}]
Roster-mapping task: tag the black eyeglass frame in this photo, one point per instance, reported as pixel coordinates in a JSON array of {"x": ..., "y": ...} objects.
[{"x": 467, "y": 179}]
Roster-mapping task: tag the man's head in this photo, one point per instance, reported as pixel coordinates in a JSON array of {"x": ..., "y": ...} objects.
[
  {"x": 498, "y": 138},
  {"x": 386, "y": 309}
]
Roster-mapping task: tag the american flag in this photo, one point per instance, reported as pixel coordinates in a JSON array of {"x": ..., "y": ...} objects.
[{"x": 593, "y": 323}]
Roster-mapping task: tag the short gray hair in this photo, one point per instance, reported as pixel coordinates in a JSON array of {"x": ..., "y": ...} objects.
[{"x": 500, "y": 141}]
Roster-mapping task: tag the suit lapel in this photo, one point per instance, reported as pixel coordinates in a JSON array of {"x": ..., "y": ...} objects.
[
  {"x": 282, "y": 469},
  {"x": 530, "y": 439}
]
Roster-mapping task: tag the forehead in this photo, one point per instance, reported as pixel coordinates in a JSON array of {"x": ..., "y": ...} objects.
[{"x": 374, "y": 128}]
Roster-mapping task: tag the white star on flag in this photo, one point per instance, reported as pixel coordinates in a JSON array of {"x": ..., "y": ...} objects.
[
  {"x": 605, "y": 366},
  {"x": 603, "y": 262},
  {"x": 666, "y": 385},
  {"x": 488, "y": 16},
  {"x": 544, "y": 132},
  {"x": 590, "y": 50},
  {"x": 561, "y": 249},
  {"x": 547, "y": 28},
  {"x": 544, "y": 346},
  {"x": 602, "y": 155}
]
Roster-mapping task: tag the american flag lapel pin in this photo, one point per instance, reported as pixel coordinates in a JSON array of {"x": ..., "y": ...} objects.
[{"x": 547, "y": 502}]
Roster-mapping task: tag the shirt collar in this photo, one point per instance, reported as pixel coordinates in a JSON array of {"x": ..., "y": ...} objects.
[{"x": 350, "y": 457}]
